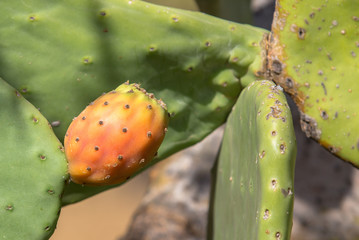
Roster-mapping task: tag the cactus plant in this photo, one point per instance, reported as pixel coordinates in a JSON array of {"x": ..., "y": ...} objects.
[
  {"x": 61, "y": 55},
  {"x": 260, "y": 194},
  {"x": 319, "y": 74},
  {"x": 32, "y": 175}
]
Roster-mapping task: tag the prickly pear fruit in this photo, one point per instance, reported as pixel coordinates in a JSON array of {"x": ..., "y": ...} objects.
[{"x": 115, "y": 136}]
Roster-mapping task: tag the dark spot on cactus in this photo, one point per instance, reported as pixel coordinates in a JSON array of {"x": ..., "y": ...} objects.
[
  {"x": 32, "y": 18},
  {"x": 355, "y": 18},
  {"x": 277, "y": 67},
  {"x": 24, "y": 90},
  {"x": 324, "y": 88},
  {"x": 100, "y": 122},
  {"x": 324, "y": 115},
  {"x": 329, "y": 56},
  {"x": 96, "y": 148},
  {"x": 152, "y": 48},
  {"x": 309, "y": 61},
  {"x": 55, "y": 123},
  {"x": 47, "y": 228},
  {"x": 83, "y": 118},
  {"x": 42, "y": 157},
  {"x": 17, "y": 94},
  {"x": 301, "y": 33},
  {"x": 124, "y": 130},
  {"x": 353, "y": 54},
  {"x": 9, "y": 208},
  {"x": 127, "y": 106},
  {"x": 149, "y": 134},
  {"x": 225, "y": 84},
  {"x": 86, "y": 60},
  {"x": 333, "y": 149},
  {"x": 120, "y": 157},
  {"x": 62, "y": 149},
  {"x": 208, "y": 44},
  {"x": 128, "y": 177},
  {"x": 175, "y": 19},
  {"x": 274, "y": 183},
  {"x": 156, "y": 154},
  {"x": 88, "y": 169},
  {"x": 277, "y": 235},
  {"x": 267, "y": 231},
  {"x": 35, "y": 120},
  {"x": 234, "y": 59},
  {"x": 77, "y": 139},
  {"x": 274, "y": 133},
  {"x": 289, "y": 82},
  {"x": 312, "y": 15},
  {"x": 130, "y": 91},
  {"x": 103, "y": 13},
  {"x": 287, "y": 192},
  {"x": 189, "y": 69},
  {"x": 266, "y": 214},
  {"x": 51, "y": 191},
  {"x": 149, "y": 106},
  {"x": 282, "y": 148},
  {"x": 262, "y": 154}
]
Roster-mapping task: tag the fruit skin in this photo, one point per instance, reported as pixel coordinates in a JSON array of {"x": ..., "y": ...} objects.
[{"x": 115, "y": 136}]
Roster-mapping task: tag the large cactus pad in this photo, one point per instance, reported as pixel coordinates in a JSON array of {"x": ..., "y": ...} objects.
[
  {"x": 253, "y": 193},
  {"x": 33, "y": 170},
  {"x": 314, "y": 55}
]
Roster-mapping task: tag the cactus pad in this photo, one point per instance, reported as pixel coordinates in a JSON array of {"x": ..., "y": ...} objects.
[
  {"x": 253, "y": 192},
  {"x": 314, "y": 55},
  {"x": 33, "y": 170}
]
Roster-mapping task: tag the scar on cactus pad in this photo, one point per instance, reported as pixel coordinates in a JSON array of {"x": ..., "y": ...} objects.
[{"x": 116, "y": 135}]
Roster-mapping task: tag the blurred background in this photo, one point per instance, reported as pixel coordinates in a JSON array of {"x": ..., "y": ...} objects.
[{"x": 170, "y": 200}]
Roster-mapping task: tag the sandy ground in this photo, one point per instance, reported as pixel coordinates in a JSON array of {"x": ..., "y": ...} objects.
[{"x": 105, "y": 216}]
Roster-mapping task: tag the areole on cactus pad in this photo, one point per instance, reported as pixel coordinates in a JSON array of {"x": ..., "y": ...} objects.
[{"x": 115, "y": 136}]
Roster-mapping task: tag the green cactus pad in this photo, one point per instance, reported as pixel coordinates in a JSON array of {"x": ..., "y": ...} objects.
[
  {"x": 314, "y": 55},
  {"x": 33, "y": 170},
  {"x": 253, "y": 192},
  {"x": 70, "y": 52}
]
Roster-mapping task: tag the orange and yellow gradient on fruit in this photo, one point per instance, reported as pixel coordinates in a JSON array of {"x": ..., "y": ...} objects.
[{"x": 115, "y": 136}]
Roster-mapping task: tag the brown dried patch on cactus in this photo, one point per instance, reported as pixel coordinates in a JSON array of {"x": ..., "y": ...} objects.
[{"x": 309, "y": 126}]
